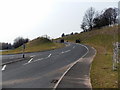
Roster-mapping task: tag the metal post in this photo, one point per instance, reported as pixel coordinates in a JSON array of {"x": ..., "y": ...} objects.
[{"x": 23, "y": 50}]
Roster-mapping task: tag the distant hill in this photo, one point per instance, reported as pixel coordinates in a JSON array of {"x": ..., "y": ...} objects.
[{"x": 35, "y": 45}]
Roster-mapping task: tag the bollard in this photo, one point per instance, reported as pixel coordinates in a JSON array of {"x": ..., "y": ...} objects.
[{"x": 23, "y": 50}]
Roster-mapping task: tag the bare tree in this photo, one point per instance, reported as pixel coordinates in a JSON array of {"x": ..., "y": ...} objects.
[{"x": 87, "y": 22}]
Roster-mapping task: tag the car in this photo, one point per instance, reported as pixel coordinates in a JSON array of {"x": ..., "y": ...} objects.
[
  {"x": 62, "y": 41},
  {"x": 77, "y": 41}
]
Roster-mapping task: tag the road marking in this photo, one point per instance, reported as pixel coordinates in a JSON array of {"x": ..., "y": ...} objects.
[
  {"x": 30, "y": 60},
  {"x": 74, "y": 47},
  {"x": 62, "y": 52},
  {"x": 38, "y": 59},
  {"x": 70, "y": 67},
  {"x": 67, "y": 45},
  {"x": 49, "y": 55},
  {"x": 3, "y": 67},
  {"x": 66, "y": 51},
  {"x": 33, "y": 56}
]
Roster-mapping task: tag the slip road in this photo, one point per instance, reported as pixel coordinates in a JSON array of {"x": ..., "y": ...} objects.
[{"x": 42, "y": 69}]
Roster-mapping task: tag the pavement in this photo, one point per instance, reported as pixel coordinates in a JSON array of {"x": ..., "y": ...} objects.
[{"x": 42, "y": 69}]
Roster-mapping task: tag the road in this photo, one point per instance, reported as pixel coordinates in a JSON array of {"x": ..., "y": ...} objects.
[{"x": 40, "y": 69}]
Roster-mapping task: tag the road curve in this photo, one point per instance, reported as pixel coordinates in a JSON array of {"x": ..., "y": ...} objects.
[{"x": 41, "y": 69}]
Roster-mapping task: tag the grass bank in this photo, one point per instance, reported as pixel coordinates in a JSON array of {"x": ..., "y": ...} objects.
[
  {"x": 38, "y": 44},
  {"x": 102, "y": 75}
]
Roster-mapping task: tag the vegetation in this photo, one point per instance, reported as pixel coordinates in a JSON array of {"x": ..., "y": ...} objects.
[
  {"x": 102, "y": 75},
  {"x": 38, "y": 44},
  {"x": 93, "y": 19},
  {"x": 19, "y": 41},
  {"x": 4, "y": 46}
]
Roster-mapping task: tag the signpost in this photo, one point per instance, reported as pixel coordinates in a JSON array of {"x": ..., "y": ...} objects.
[{"x": 23, "y": 50}]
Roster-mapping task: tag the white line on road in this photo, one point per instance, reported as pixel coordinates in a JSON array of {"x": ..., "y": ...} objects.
[
  {"x": 3, "y": 67},
  {"x": 67, "y": 45},
  {"x": 66, "y": 51},
  {"x": 74, "y": 47},
  {"x": 49, "y": 55},
  {"x": 32, "y": 55},
  {"x": 37, "y": 59},
  {"x": 30, "y": 60},
  {"x": 70, "y": 67}
]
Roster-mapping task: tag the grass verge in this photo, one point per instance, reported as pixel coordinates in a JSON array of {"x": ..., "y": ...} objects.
[{"x": 102, "y": 75}]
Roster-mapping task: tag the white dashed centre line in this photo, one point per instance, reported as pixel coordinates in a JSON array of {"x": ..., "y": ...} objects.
[
  {"x": 66, "y": 51},
  {"x": 74, "y": 47},
  {"x": 3, "y": 68},
  {"x": 49, "y": 55},
  {"x": 30, "y": 60},
  {"x": 37, "y": 59},
  {"x": 33, "y": 56}
]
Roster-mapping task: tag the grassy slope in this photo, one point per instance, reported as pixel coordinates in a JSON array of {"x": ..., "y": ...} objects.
[
  {"x": 39, "y": 44},
  {"x": 102, "y": 75}
]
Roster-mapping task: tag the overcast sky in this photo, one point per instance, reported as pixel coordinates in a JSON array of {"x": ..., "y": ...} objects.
[{"x": 33, "y": 18}]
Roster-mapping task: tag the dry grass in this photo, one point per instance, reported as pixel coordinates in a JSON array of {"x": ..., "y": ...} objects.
[{"x": 36, "y": 45}]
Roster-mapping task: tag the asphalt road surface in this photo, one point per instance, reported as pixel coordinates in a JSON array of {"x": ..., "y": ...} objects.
[{"x": 40, "y": 69}]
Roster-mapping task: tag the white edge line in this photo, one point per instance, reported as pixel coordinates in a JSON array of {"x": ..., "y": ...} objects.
[
  {"x": 3, "y": 67},
  {"x": 70, "y": 67}
]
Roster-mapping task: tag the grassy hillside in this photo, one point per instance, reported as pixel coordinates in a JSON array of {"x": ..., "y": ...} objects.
[
  {"x": 38, "y": 44},
  {"x": 102, "y": 75}
]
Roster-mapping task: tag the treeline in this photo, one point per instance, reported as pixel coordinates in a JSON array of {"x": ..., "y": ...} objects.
[
  {"x": 94, "y": 19},
  {"x": 5, "y": 46},
  {"x": 17, "y": 43}
]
